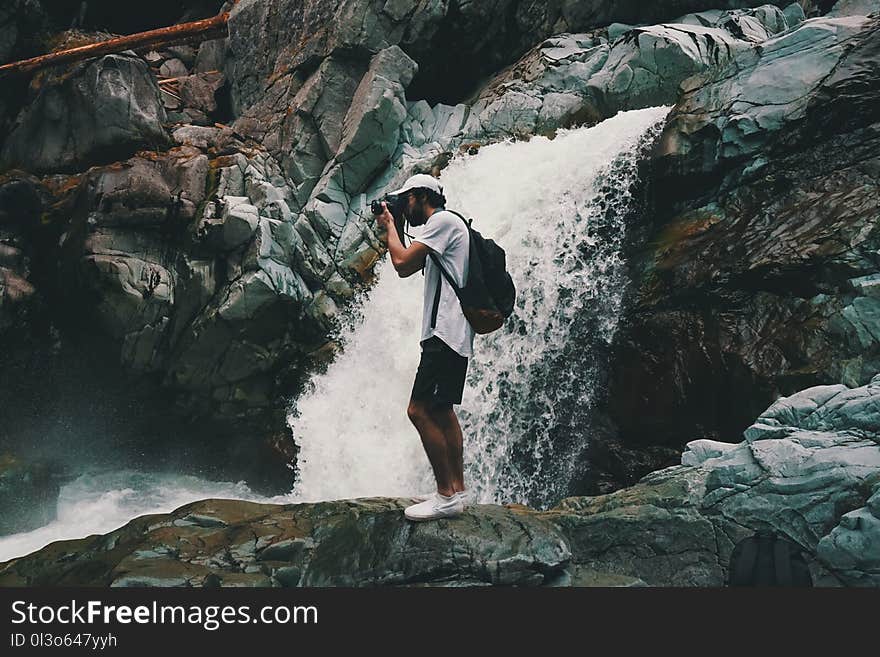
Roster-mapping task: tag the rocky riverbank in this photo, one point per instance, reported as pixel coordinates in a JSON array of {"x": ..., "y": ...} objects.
[{"x": 809, "y": 468}]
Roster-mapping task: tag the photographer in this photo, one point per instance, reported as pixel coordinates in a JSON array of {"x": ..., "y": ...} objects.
[{"x": 446, "y": 337}]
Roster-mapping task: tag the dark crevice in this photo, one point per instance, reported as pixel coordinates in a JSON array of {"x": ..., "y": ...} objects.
[{"x": 125, "y": 17}]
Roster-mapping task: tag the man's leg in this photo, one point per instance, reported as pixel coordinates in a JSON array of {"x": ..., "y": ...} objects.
[
  {"x": 445, "y": 417},
  {"x": 434, "y": 442}
]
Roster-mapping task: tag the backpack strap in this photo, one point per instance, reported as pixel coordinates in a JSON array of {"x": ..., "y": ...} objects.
[
  {"x": 436, "y": 302},
  {"x": 439, "y": 283},
  {"x": 445, "y": 275},
  {"x": 466, "y": 221}
]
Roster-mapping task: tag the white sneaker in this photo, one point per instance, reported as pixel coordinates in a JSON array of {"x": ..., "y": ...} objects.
[
  {"x": 463, "y": 495},
  {"x": 436, "y": 506}
]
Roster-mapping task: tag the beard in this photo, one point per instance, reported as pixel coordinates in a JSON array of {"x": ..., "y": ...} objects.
[{"x": 417, "y": 217}]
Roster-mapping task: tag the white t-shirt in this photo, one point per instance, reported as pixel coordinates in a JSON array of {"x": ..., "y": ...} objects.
[{"x": 446, "y": 235}]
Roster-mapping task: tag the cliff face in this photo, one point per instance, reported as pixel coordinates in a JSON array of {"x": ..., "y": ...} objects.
[
  {"x": 181, "y": 228},
  {"x": 755, "y": 275},
  {"x": 809, "y": 468}
]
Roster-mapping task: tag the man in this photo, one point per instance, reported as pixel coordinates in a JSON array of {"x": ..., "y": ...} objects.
[{"x": 447, "y": 342}]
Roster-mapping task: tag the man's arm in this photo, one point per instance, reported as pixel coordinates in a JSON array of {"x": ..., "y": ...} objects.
[{"x": 406, "y": 261}]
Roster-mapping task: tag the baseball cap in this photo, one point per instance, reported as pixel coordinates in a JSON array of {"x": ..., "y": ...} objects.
[{"x": 419, "y": 180}]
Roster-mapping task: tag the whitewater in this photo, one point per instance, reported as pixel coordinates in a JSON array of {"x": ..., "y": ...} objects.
[{"x": 558, "y": 207}]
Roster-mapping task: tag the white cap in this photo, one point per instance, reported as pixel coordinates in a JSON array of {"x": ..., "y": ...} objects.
[{"x": 419, "y": 180}]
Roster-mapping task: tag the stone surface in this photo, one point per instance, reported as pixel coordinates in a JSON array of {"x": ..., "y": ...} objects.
[
  {"x": 814, "y": 478},
  {"x": 362, "y": 542},
  {"x": 28, "y": 494},
  {"x": 95, "y": 113},
  {"x": 752, "y": 274},
  {"x": 582, "y": 78}
]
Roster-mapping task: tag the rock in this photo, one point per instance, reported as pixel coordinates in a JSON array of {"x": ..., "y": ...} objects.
[
  {"x": 370, "y": 128},
  {"x": 819, "y": 487},
  {"x": 583, "y": 78},
  {"x": 95, "y": 113},
  {"x": 359, "y": 543},
  {"x": 854, "y": 8},
  {"x": 757, "y": 110},
  {"x": 794, "y": 14},
  {"x": 474, "y": 44},
  {"x": 211, "y": 56},
  {"x": 763, "y": 207},
  {"x": 240, "y": 220},
  {"x": 851, "y": 547},
  {"x": 173, "y": 68},
  {"x": 28, "y": 494},
  {"x": 198, "y": 91}
]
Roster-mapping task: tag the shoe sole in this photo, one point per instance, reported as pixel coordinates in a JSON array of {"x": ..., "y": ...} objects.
[
  {"x": 422, "y": 498},
  {"x": 445, "y": 515}
]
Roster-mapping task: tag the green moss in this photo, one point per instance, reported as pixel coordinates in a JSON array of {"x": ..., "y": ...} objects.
[{"x": 212, "y": 184}]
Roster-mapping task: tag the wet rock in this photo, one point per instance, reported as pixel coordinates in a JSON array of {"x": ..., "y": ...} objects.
[
  {"x": 812, "y": 480},
  {"x": 211, "y": 56},
  {"x": 95, "y": 113},
  {"x": 28, "y": 494},
  {"x": 753, "y": 280},
  {"x": 347, "y": 543},
  {"x": 854, "y": 8},
  {"x": 586, "y": 77}
]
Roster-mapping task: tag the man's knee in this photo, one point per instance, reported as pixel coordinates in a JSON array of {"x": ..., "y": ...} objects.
[
  {"x": 417, "y": 411},
  {"x": 420, "y": 411}
]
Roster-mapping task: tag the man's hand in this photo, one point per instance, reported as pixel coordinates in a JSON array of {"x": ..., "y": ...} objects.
[{"x": 386, "y": 220}]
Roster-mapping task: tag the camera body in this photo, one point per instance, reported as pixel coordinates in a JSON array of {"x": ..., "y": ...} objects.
[
  {"x": 393, "y": 203},
  {"x": 395, "y": 207}
]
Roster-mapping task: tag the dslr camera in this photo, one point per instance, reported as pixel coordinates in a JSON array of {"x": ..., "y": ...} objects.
[
  {"x": 393, "y": 203},
  {"x": 395, "y": 207}
]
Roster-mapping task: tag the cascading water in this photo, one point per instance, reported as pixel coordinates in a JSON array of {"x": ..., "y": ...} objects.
[{"x": 558, "y": 207}]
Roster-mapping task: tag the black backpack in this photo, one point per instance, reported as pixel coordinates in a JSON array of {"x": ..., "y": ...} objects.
[
  {"x": 766, "y": 559},
  {"x": 489, "y": 293}
]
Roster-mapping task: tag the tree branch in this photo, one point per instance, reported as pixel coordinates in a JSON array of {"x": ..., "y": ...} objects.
[{"x": 209, "y": 28}]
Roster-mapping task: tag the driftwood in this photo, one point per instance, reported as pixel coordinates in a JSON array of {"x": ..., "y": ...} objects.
[{"x": 209, "y": 28}]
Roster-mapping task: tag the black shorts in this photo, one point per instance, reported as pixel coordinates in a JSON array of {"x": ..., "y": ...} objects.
[{"x": 441, "y": 373}]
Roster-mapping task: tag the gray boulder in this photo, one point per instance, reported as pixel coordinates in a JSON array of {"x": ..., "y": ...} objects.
[
  {"x": 814, "y": 482},
  {"x": 28, "y": 493},
  {"x": 744, "y": 109},
  {"x": 584, "y": 78},
  {"x": 754, "y": 276},
  {"x": 358, "y": 543},
  {"x": 95, "y": 113},
  {"x": 854, "y": 8},
  {"x": 809, "y": 469}
]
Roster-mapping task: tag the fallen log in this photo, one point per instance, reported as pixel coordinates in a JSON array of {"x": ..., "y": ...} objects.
[{"x": 208, "y": 28}]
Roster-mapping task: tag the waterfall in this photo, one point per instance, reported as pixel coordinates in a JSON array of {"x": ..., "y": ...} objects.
[{"x": 558, "y": 207}]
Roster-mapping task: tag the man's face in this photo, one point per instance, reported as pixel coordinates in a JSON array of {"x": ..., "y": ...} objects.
[{"x": 414, "y": 211}]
